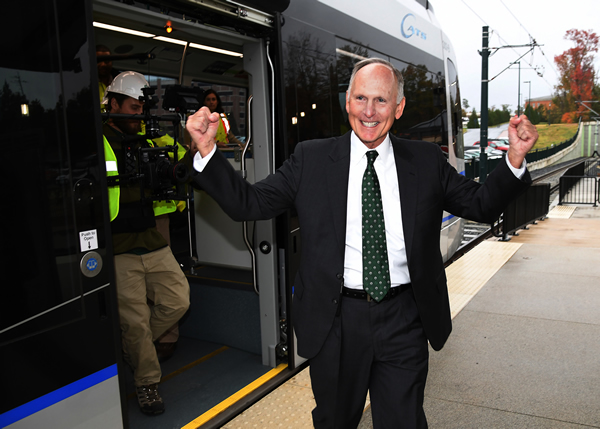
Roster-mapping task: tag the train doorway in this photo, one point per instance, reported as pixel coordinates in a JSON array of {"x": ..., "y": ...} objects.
[{"x": 232, "y": 333}]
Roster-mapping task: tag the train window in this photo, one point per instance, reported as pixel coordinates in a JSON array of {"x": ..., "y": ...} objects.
[
  {"x": 423, "y": 117},
  {"x": 456, "y": 112},
  {"x": 424, "y": 114},
  {"x": 47, "y": 123},
  {"x": 348, "y": 54},
  {"x": 309, "y": 61}
]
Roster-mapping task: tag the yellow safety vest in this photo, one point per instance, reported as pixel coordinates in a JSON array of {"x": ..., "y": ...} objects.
[
  {"x": 102, "y": 91},
  {"x": 223, "y": 130},
  {"x": 164, "y": 207},
  {"x": 114, "y": 192}
]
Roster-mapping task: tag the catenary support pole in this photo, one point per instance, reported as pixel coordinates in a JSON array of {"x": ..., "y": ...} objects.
[{"x": 483, "y": 130}]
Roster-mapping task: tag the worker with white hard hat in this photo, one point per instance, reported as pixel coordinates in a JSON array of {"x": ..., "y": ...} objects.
[{"x": 144, "y": 264}]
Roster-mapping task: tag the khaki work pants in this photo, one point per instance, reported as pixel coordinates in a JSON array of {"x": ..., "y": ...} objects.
[
  {"x": 156, "y": 274},
  {"x": 171, "y": 335}
]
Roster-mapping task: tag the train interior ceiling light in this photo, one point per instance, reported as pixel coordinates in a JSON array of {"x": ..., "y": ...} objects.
[{"x": 166, "y": 39}]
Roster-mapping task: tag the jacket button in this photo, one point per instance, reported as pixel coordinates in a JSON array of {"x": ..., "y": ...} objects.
[
  {"x": 335, "y": 301},
  {"x": 339, "y": 276}
]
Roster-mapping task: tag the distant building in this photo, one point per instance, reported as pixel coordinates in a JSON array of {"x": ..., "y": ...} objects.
[{"x": 540, "y": 101}]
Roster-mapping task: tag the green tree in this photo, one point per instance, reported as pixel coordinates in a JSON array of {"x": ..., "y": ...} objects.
[
  {"x": 473, "y": 120},
  {"x": 465, "y": 107},
  {"x": 531, "y": 113}
]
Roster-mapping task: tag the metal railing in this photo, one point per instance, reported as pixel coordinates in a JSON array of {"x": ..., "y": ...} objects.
[
  {"x": 529, "y": 207},
  {"x": 580, "y": 185}
]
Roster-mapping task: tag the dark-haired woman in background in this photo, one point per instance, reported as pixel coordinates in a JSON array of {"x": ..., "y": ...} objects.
[{"x": 224, "y": 135}]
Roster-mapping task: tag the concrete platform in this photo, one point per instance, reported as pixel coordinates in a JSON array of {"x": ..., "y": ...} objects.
[
  {"x": 525, "y": 352},
  {"x": 525, "y": 349}
]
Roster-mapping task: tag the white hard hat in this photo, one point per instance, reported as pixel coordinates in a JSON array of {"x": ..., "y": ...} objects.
[{"x": 128, "y": 83}]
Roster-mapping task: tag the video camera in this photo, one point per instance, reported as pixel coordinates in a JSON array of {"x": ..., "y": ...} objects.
[{"x": 159, "y": 169}]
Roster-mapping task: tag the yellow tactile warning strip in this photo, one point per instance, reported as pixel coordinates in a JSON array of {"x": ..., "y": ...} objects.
[
  {"x": 561, "y": 212},
  {"x": 289, "y": 406},
  {"x": 468, "y": 274}
]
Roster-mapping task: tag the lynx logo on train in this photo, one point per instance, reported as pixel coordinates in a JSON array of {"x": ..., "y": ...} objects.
[{"x": 408, "y": 29}]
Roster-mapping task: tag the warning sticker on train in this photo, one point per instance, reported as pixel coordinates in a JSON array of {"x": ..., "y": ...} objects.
[{"x": 88, "y": 240}]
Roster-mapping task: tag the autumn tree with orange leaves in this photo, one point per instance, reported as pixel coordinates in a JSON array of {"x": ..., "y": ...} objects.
[{"x": 577, "y": 76}]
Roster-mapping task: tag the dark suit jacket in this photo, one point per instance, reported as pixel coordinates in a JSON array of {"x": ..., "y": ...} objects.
[{"x": 315, "y": 180}]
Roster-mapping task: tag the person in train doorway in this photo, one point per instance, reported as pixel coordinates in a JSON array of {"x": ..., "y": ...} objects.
[
  {"x": 167, "y": 343},
  {"x": 224, "y": 135},
  {"x": 144, "y": 264},
  {"x": 106, "y": 72},
  {"x": 366, "y": 329}
]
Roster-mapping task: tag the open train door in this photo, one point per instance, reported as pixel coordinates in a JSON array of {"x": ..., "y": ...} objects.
[{"x": 58, "y": 322}]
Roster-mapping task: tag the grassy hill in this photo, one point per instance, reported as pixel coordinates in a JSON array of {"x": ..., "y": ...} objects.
[{"x": 554, "y": 134}]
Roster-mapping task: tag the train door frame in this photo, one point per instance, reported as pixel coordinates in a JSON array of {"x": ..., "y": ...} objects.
[
  {"x": 258, "y": 54},
  {"x": 265, "y": 231}
]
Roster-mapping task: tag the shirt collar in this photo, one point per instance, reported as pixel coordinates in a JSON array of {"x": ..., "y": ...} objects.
[{"x": 358, "y": 149}]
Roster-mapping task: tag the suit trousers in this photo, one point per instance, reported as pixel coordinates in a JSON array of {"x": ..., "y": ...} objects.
[
  {"x": 376, "y": 347},
  {"x": 158, "y": 275}
]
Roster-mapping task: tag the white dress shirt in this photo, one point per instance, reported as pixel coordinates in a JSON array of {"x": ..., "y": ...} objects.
[
  {"x": 385, "y": 167},
  {"x": 199, "y": 163}
]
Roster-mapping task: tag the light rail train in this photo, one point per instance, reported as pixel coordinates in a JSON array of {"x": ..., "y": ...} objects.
[{"x": 281, "y": 69}]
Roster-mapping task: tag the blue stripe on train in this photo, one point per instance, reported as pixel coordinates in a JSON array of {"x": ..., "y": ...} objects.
[{"x": 58, "y": 395}]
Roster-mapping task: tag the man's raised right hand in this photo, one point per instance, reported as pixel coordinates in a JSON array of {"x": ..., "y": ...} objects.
[{"x": 202, "y": 127}]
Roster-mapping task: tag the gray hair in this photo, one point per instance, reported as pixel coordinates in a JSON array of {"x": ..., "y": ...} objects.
[{"x": 397, "y": 74}]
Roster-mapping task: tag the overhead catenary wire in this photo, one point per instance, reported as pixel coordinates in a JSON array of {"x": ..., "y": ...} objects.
[
  {"x": 530, "y": 37},
  {"x": 503, "y": 41}
]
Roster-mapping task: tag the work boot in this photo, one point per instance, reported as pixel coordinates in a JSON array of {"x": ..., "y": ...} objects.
[{"x": 149, "y": 399}]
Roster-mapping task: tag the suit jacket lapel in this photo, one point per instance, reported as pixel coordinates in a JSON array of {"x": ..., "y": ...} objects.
[
  {"x": 337, "y": 185},
  {"x": 408, "y": 184}
]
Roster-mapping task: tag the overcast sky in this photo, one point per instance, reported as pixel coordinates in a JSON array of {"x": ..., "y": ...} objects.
[{"x": 512, "y": 22}]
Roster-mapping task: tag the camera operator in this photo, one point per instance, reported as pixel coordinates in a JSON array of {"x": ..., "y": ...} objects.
[
  {"x": 144, "y": 264},
  {"x": 167, "y": 343}
]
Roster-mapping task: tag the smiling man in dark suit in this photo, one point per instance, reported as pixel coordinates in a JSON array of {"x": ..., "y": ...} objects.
[{"x": 364, "y": 328}]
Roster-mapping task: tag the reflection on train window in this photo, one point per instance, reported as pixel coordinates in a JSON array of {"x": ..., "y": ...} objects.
[
  {"x": 424, "y": 89},
  {"x": 424, "y": 114},
  {"x": 311, "y": 101},
  {"x": 45, "y": 118},
  {"x": 348, "y": 54},
  {"x": 456, "y": 110}
]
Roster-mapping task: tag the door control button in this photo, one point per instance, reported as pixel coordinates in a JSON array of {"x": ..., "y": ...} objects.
[{"x": 91, "y": 264}]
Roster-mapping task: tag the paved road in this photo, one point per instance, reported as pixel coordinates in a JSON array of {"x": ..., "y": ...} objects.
[{"x": 472, "y": 135}]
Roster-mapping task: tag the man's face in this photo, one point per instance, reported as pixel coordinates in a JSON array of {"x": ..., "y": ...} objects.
[
  {"x": 371, "y": 104},
  {"x": 130, "y": 106},
  {"x": 104, "y": 67},
  {"x": 211, "y": 102}
]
